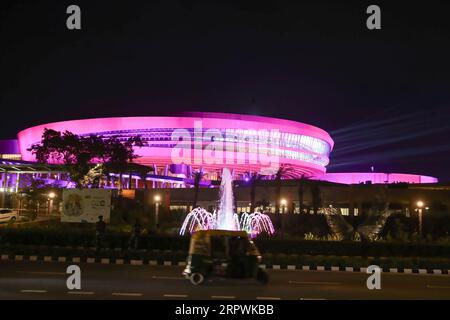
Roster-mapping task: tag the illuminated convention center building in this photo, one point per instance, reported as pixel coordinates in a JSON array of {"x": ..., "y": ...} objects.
[{"x": 176, "y": 146}]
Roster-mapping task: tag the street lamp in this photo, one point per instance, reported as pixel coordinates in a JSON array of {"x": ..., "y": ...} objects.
[
  {"x": 157, "y": 199},
  {"x": 50, "y": 196},
  {"x": 419, "y": 209}
]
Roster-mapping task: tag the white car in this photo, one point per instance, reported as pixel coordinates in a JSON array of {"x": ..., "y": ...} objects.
[{"x": 7, "y": 215}]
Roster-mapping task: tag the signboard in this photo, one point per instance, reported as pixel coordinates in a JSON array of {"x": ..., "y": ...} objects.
[{"x": 86, "y": 205}]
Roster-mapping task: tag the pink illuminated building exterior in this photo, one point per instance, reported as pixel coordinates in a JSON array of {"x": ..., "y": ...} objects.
[
  {"x": 376, "y": 177},
  {"x": 303, "y": 147}
]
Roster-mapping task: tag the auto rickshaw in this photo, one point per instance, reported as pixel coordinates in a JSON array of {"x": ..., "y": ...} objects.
[{"x": 223, "y": 253}]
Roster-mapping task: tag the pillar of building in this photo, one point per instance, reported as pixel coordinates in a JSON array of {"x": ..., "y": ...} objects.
[
  {"x": 17, "y": 181},
  {"x": 166, "y": 173},
  {"x": 405, "y": 212},
  {"x": 351, "y": 209},
  {"x": 5, "y": 181},
  {"x": 360, "y": 210},
  {"x": 4, "y": 186}
]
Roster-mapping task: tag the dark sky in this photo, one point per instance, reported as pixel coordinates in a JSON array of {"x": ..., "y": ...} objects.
[{"x": 383, "y": 95}]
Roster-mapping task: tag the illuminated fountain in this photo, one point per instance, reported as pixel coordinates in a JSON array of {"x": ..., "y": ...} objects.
[
  {"x": 255, "y": 223},
  {"x": 198, "y": 219},
  {"x": 225, "y": 218}
]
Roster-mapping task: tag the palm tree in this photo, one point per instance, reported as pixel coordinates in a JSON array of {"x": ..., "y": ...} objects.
[
  {"x": 316, "y": 197},
  {"x": 143, "y": 171},
  {"x": 130, "y": 175},
  {"x": 118, "y": 155},
  {"x": 254, "y": 178},
  {"x": 301, "y": 192},
  {"x": 284, "y": 171},
  {"x": 197, "y": 176}
]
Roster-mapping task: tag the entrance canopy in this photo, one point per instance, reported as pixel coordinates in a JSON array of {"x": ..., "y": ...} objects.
[{"x": 16, "y": 166}]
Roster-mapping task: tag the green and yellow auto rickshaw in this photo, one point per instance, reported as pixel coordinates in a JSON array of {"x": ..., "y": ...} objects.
[{"x": 223, "y": 253}]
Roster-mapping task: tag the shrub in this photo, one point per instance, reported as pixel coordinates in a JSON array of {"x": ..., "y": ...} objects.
[{"x": 84, "y": 236}]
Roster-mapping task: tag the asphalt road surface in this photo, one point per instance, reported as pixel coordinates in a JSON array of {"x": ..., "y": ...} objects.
[{"x": 46, "y": 280}]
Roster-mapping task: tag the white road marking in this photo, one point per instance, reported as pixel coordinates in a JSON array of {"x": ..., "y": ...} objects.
[
  {"x": 438, "y": 287},
  {"x": 175, "y": 295},
  {"x": 127, "y": 294},
  {"x": 33, "y": 291},
  {"x": 313, "y": 299},
  {"x": 81, "y": 292},
  {"x": 314, "y": 282},
  {"x": 268, "y": 298},
  {"x": 223, "y": 297},
  {"x": 168, "y": 278}
]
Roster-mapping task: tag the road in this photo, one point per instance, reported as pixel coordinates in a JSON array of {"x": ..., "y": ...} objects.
[{"x": 47, "y": 280}]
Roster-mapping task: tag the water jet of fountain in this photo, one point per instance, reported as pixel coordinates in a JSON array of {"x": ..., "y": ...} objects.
[
  {"x": 225, "y": 218},
  {"x": 225, "y": 215},
  {"x": 255, "y": 223}
]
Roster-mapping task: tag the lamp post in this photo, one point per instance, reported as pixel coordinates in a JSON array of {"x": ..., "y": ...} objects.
[
  {"x": 283, "y": 203},
  {"x": 157, "y": 201},
  {"x": 419, "y": 210},
  {"x": 51, "y": 196}
]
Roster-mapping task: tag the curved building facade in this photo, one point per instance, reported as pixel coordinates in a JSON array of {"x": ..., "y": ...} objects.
[
  {"x": 209, "y": 141},
  {"x": 376, "y": 178}
]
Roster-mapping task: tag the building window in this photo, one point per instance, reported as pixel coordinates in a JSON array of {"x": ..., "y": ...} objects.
[
  {"x": 243, "y": 209},
  {"x": 178, "y": 208},
  {"x": 11, "y": 156}
]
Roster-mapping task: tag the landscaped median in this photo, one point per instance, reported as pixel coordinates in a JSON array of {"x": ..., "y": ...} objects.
[
  {"x": 84, "y": 236},
  {"x": 178, "y": 258},
  {"x": 75, "y": 244}
]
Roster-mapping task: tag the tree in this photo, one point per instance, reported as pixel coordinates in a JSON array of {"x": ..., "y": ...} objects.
[
  {"x": 142, "y": 172},
  {"x": 35, "y": 192},
  {"x": 119, "y": 154},
  {"x": 254, "y": 178},
  {"x": 264, "y": 204},
  {"x": 85, "y": 158},
  {"x": 316, "y": 197},
  {"x": 284, "y": 171},
  {"x": 301, "y": 192},
  {"x": 197, "y": 175},
  {"x": 74, "y": 152}
]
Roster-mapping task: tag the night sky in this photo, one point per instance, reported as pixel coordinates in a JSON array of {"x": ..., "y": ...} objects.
[{"x": 383, "y": 95}]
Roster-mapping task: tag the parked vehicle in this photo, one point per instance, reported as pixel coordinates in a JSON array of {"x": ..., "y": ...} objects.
[
  {"x": 223, "y": 253},
  {"x": 7, "y": 215}
]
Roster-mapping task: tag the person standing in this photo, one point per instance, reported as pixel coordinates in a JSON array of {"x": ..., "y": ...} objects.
[
  {"x": 135, "y": 234},
  {"x": 100, "y": 229}
]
